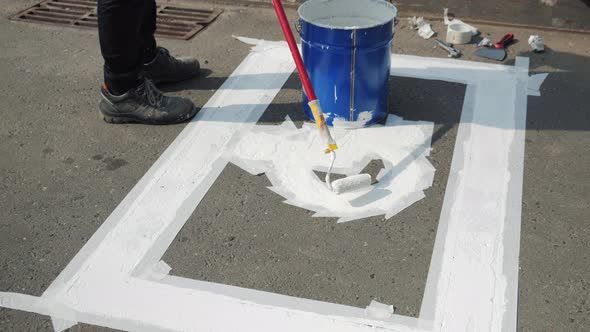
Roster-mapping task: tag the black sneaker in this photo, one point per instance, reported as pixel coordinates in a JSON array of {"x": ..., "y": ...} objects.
[
  {"x": 145, "y": 104},
  {"x": 165, "y": 68}
]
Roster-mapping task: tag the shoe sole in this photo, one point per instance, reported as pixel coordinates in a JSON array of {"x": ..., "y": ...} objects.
[{"x": 126, "y": 119}]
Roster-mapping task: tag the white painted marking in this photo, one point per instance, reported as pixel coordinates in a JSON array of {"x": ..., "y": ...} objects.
[
  {"x": 289, "y": 156},
  {"x": 473, "y": 277},
  {"x": 535, "y": 82},
  {"x": 472, "y": 282}
]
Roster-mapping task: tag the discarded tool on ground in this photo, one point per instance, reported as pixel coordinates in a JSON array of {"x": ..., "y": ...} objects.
[
  {"x": 340, "y": 185},
  {"x": 498, "y": 52},
  {"x": 453, "y": 52}
]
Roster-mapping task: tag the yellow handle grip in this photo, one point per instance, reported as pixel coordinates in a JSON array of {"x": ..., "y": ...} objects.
[{"x": 320, "y": 122}]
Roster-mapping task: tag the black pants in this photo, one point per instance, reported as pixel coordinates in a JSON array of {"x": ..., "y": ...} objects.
[{"x": 126, "y": 32}]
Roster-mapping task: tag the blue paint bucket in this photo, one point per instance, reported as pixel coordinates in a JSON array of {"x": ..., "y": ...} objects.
[{"x": 346, "y": 50}]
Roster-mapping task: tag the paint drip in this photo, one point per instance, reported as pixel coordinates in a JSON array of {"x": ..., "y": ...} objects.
[{"x": 362, "y": 120}]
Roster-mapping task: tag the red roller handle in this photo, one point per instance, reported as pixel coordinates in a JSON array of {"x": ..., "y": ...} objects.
[{"x": 294, "y": 50}]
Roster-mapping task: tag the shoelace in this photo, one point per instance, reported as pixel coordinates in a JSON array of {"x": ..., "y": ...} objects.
[{"x": 148, "y": 89}]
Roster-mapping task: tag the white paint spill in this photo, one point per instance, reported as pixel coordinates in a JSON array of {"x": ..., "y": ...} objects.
[
  {"x": 335, "y": 95},
  {"x": 289, "y": 157}
]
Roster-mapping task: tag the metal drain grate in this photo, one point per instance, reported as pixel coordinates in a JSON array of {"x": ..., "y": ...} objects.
[{"x": 172, "y": 21}]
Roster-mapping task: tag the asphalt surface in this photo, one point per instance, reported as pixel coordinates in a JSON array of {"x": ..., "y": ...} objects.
[
  {"x": 559, "y": 14},
  {"x": 550, "y": 14},
  {"x": 64, "y": 170}
]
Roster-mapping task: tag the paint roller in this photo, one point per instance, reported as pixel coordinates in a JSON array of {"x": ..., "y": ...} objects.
[{"x": 341, "y": 185}]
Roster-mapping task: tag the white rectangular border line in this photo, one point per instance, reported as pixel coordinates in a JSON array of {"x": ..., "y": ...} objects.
[
  {"x": 476, "y": 289},
  {"x": 153, "y": 228},
  {"x": 139, "y": 230},
  {"x": 515, "y": 192}
]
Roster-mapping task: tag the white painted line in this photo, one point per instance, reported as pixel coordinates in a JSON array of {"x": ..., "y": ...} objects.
[
  {"x": 511, "y": 232},
  {"x": 473, "y": 277},
  {"x": 137, "y": 233},
  {"x": 25, "y": 303},
  {"x": 449, "y": 70},
  {"x": 472, "y": 283}
]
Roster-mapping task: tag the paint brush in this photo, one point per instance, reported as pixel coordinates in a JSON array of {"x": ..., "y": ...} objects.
[{"x": 346, "y": 184}]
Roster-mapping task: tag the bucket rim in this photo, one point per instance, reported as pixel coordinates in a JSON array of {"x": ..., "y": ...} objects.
[{"x": 309, "y": 3}]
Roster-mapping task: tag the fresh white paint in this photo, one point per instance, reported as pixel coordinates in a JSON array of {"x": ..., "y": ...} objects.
[
  {"x": 289, "y": 156},
  {"x": 473, "y": 278},
  {"x": 362, "y": 119}
]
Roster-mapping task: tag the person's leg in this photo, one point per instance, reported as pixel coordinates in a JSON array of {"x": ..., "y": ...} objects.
[
  {"x": 120, "y": 43},
  {"x": 159, "y": 65},
  {"x": 127, "y": 96},
  {"x": 147, "y": 30}
]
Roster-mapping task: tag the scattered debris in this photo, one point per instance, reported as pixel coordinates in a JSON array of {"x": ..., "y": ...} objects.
[
  {"x": 424, "y": 28},
  {"x": 413, "y": 21},
  {"x": 458, "y": 34},
  {"x": 537, "y": 43},
  {"x": 471, "y": 28},
  {"x": 379, "y": 310},
  {"x": 487, "y": 42},
  {"x": 453, "y": 52},
  {"x": 426, "y": 31},
  {"x": 493, "y": 53},
  {"x": 506, "y": 40},
  {"x": 498, "y": 51}
]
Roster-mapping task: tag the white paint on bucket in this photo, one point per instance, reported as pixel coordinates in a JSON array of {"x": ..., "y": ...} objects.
[
  {"x": 350, "y": 22},
  {"x": 361, "y": 121},
  {"x": 347, "y": 14},
  {"x": 334, "y": 19}
]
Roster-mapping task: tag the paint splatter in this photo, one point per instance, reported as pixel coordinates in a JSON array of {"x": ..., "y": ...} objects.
[
  {"x": 362, "y": 120},
  {"x": 290, "y": 156}
]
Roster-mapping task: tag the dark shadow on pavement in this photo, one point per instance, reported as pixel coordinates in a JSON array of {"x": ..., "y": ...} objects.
[
  {"x": 560, "y": 106},
  {"x": 238, "y": 82}
]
